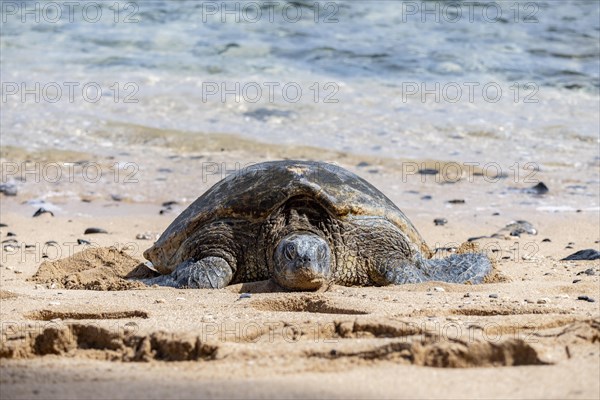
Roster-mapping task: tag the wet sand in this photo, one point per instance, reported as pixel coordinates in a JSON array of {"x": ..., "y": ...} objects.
[{"x": 525, "y": 336}]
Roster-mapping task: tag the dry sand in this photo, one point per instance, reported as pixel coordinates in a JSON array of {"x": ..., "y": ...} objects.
[{"x": 69, "y": 333}]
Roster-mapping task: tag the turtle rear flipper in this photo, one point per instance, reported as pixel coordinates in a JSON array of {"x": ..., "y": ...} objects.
[{"x": 459, "y": 268}]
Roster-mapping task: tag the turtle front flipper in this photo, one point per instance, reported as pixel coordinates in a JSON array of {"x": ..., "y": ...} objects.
[
  {"x": 458, "y": 268},
  {"x": 207, "y": 273}
]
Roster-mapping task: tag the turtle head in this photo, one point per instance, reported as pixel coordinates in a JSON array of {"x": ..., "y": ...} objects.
[{"x": 302, "y": 262}]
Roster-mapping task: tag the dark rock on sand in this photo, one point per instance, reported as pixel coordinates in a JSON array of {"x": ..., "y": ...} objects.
[
  {"x": 587, "y": 254},
  {"x": 589, "y": 271},
  {"x": 540, "y": 189},
  {"x": 41, "y": 211},
  {"x": 586, "y": 298},
  {"x": 456, "y": 201},
  {"x": 440, "y": 221},
  {"x": 428, "y": 171},
  {"x": 90, "y": 231},
  {"x": 8, "y": 189},
  {"x": 546, "y": 240},
  {"x": 472, "y": 239},
  {"x": 83, "y": 241},
  {"x": 11, "y": 234},
  {"x": 517, "y": 228}
]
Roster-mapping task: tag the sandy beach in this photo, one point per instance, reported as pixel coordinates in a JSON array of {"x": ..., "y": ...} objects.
[{"x": 526, "y": 335}]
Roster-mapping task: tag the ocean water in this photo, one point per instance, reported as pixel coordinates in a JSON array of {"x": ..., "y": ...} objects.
[{"x": 507, "y": 81}]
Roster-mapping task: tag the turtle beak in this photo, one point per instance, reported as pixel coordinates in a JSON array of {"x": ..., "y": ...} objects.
[{"x": 307, "y": 265}]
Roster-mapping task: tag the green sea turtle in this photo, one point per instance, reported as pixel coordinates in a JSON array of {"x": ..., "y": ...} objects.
[{"x": 305, "y": 225}]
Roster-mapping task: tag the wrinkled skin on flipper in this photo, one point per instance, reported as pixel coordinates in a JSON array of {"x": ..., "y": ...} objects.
[
  {"x": 457, "y": 268},
  {"x": 208, "y": 273}
]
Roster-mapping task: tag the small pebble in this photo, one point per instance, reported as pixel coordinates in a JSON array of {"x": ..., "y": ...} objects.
[
  {"x": 589, "y": 271},
  {"x": 83, "y": 241},
  {"x": 180, "y": 299},
  {"x": 90, "y": 231},
  {"x": 426, "y": 197},
  {"x": 245, "y": 295},
  {"x": 10, "y": 234},
  {"x": 540, "y": 188},
  {"x": 586, "y": 298},
  {"x": 54, "y": 303},
  {"x": 144, "y": 236},
  {"x": 493, "y": 296},
  {"x": 438, "y": 289},
  {"x": 543, "y": 300},
  {"x": 440, "y": 221},
  {"x": 160, "y": 301},
  {"x": 8, "y": 189},
  {"x": 529, "y": 301},
  {"x": 546, "y": 240},
  {"x": 18, "y": 271},
  {"x": 576, "y": 280},
  {"x": 467, "y": 295},
  {"x": 41, "y": 211},
  {"x": 456, "y": 201},
  {"x": 386, "y": 297}
]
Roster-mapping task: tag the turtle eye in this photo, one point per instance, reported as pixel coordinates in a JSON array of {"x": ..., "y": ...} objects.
[{"x": 290, "y": 251}]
